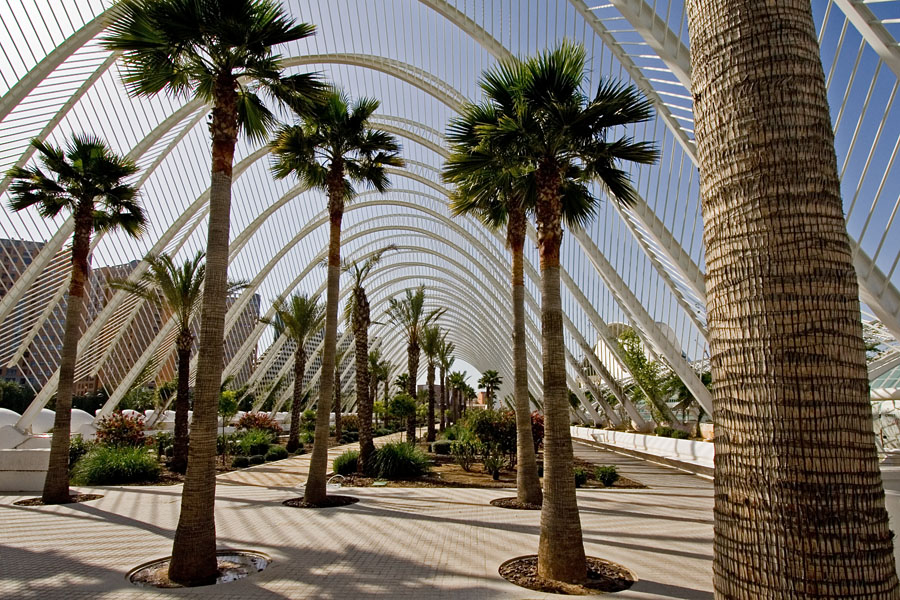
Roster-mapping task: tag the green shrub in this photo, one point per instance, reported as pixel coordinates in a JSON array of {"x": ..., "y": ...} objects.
[
  {"x": 680, "y": 435},
  {"x": 349, "y": 423},
  {"x": 308, "y": 421},
  {"x": 119, "y": 429},
  {"x": 112, "y": 465},
  {"x": 349, "y": 437},
  {"x": 163, "y": 441},
  {"x": 227, "y": 443},
  {"x": 300, "y": 450},
  {"x": 277, "y": 453},
  {"x": 607, "y": 475},
  {"x": 664, "y": 431},
  {"x": 346, "y": 463},
  {"x": 382, "y": 431},
  {"x": 78, "y": 447},
  {"x": 442, "y": 447},
  {"x": 493, "y": 428},
  {"x": 465, "y": 453},
  {"x": 402, "y": 406},
  {"x": 399, "y": 460},
  {"x": 581, "y": 477},
  {"x": 240, "y": 462},
  {"x": 307, "y": 437},
  {"x": 259, "y": 420},
  {"x": 451, "y": 433},
  {"x": 257, "y": 459},
  {"x": 255, "y": 441},
  {"x": 494, "y": 460}
]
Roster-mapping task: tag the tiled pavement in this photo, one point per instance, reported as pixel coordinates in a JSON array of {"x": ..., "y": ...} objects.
[{"x": 394, "y": 543}]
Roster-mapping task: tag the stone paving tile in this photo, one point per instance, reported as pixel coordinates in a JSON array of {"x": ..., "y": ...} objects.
[{"x": 394, "y": 543}]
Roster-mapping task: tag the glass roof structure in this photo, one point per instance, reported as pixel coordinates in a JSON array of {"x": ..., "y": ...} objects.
[{"x": 642, "y": 267}]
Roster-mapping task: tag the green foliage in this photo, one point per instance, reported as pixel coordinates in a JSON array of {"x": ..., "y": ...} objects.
[
  {"x": 257, "y": 459},
  {"x": 349, "y": 437},
  {"x": 307, "y": 437},
  {"x": 663, "y": 431},
  {"x": 261, "y": 421},
  {"x": 16, "y": 397},
  {"x": 465, "y": 452},
  {"x": 402, "y": 407},
  {"x": 227, "y": 443},
  {"x": 349, "y": 423},
  {"x": 494, "y": 460},
  {"x": 164, "y": 442},
  {"x": 382, "y": 431},
  {"x": 228, "y": 406},
  {"x": 240, "y": 462},
  {"x": 581, "y": 477},
  {"x": 119, "y": 429},
  {"x": 112, "y": 465},
  {"x": 680, "y": 435},
  {"x": 308, "y": 421},
  {"x": 442, "y": 446},
  {"x": 346, "y": 463},
  {"x": 493, "y": 428},
  {"x": 607, "y": 475},
  {"x": 451, "y": 433},
  {"x": 138, "y": 398},
  {"x": 277, "y": 453},
  {"x": 255, "y": 441},
  {"x": 78, "y": 447},
  {"x": 399, "y": 460}
]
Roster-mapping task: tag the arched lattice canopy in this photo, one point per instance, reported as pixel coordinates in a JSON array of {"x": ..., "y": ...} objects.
[{"x": 641, "y": 267}]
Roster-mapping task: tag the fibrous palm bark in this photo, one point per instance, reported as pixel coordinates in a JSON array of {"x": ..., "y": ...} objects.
[
  {"x": 365, "y": 393},
  {"x": 182, "y": 401},
  {"x": 413, "y": 364},
  {"x": 799, "y": 502}
]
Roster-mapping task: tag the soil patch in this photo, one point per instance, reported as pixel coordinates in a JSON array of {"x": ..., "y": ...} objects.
[
  {"x": 73, "y": 498},
  {"x": 603, "y": 576},
  {"x": 514, "y": 504},
  {"x": 329, "y": 502},
  {"x": 233, "y": 565}
]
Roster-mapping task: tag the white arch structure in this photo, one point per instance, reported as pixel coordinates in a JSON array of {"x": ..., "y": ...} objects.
[{"x": 642, "y": 265}]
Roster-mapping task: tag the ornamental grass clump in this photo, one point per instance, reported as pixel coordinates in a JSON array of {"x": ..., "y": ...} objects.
[
  {"x": 112, "y": 465},
  {"x": 346, "y": 463},
  {"x": 399, "y": 460}
]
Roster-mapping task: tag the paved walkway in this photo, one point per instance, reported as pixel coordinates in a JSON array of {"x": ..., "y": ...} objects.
[{"x": 394, "y": 543}]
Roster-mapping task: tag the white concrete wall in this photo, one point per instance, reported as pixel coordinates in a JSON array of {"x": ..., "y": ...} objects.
[
  {"x": 23, "y": 470},
  {"x": 701, "y": 453}
]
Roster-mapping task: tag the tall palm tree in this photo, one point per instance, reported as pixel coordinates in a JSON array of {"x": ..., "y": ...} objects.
[
  {"x": 457, "y": 382},
  {"x": 334, "y": 150},
  {"x": 87, "y": 180},
  {"x": 490, "y": 380},
  {"x": 409, "y": 316},
  {"x": 300, "y": 318},
  {"x": 778, "y": 255},
  {"x": 339, "y": 357},
  {"x": 401, "y": 382},
  {"x": 176, "y": 290},
  {"x": 432, "y": 340},
  {"x": 561, "y": 136},
  {"x": 445, "y": 362},
  {"x": 221, "y": 53},
  {"x": 358, "y": 317}
]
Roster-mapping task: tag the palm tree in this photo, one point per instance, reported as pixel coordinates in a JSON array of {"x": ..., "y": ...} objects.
[
  {"x": 176, "y": 291},
  {"x": 432, "y": 340},
  {"x": 778, "y": 256},
  {"x": 560, "y": 135},
  {"x": 457, "y": 382},
  {"x": 357, "y": 315},
  {"x": 221, "y": 53},
  {"x": 445, "y": 362},
  {"x": 300, "y": 319},
  {"x": 409, "y": 316},
  {"x": 87, "y": 180},
  {"x": 339, "y": 357},
  {"x": 333, "y": 150},
  {"x": 402, "y": 383},
  {"x": 490, "y": 381}
]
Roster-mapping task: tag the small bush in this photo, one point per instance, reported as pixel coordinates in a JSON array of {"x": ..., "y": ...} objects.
[
  {"x": 493, "y": 428},
  {"x": 307, "y": 438},
  {"x": 349, "y": 437},
  {"x": 78, "y": 447},
  {"x": 119, "y": 429},
  {"x": 581, "y": 477},
  {"x": 255, "y": 441},
  {"x": 382, "y": 431},
  {"x": 308, "y": 421},
  {"x": 680, "y": 435},
  {"x": 112, "y": 465},
  {"x": 494, "y": 460},
  {"x": 664, "y": 431},
  {"x": 465, "y": 453},
  {"x": 240, "y": 462},
  {"x": 442, "y": 447},
  {"x": 277, "y": 453},
  {"x": 263, "y": 421},
  {"x": 451, "y": 433},
  {"x": 257, "y": 459},
  {"x": 346, "y": 463},
  {"x": 607, "y": 475},
  {"x": 349, "y": 423},
  {"x": 399, "y": 460},
  {"x": 163, "y": 441},
  {"x": 300, "y": 450}
]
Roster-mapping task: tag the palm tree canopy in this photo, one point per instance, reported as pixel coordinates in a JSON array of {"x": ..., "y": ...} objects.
[
  {"x": 490, "y": 379},
  {"x": 445, "y": 353},
  {"x": 338, "y": 133},
  {"x": 299, "y": 318},
  {"x": 432, "y": 339},
  {"x": 457, "y": 380},
  {"x": 402, "y": 382},
  {"x": 408, "y": 314},
  {"x": 86, "y": 171},
  {"x": 359, "y": 271},
  {"x": 186, "y": 46}
]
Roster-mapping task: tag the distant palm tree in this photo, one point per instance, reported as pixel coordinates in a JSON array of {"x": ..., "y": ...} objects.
[
  {"x": 490, "y": 381},
  {"x": 177, "y": 291},
  {"x": 299, "y": 319},
  {"x": 409, "y": 316},
  {"x": 445, "y": 362},
  {"x": 457, "y": 382},
  {"x": 334, "y": 150},
  {"x": 401, "y": 382},
  {"x": 432, "y": 340},
  {"x": 87, "y": 180},
  {"x": 358, "y": 317},
  {"x": 220, "y": 53}
]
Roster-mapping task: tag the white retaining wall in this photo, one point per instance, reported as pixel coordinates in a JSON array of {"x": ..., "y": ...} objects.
[
  {"x": 701, "y": 453},
  {"x": 23, "y": 470}
]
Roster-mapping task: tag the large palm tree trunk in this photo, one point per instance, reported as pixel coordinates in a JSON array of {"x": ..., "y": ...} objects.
[
  {"x": 799, "y": 502},
  {"x": 297, "y": 398},
  {"x": 528, "y": 485},
  {"x": 56, "y": 484},
  {"x": 443, "y": 376},
  {"x": 430, "y": 435},
  {"x": 413, "y": 364},
  {"x": 194, "y": 549},
  {"x": 365, "y": 393},
  {"x": 338, "y": 431},
  {"x": 182, "y": 401},
  {"x": 318, "y": 465},
  {"x": 561, "y": 550}
]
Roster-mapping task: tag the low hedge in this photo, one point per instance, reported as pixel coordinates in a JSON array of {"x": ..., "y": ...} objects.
[{"x": 112, "y": 465}]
